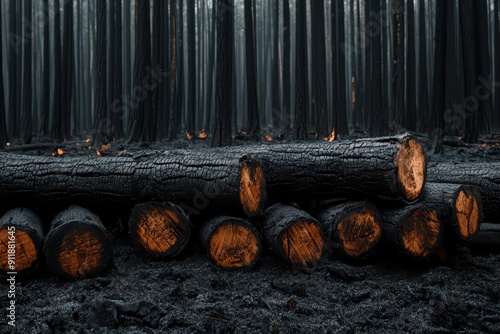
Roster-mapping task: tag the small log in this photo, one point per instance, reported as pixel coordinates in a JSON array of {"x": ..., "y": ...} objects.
[
  {"x": 21, "y": 239},
  {"x": 294, "y": 235},
  {"x": 352, "y": 228},
  {"x": 78, "y": 245},
  {"x": 415, "y": 230},
  {"x": 161, "y": 230},
  {"x": 232, "y": 243},
  {"x": 460, "y": 205},
  {"x": 196, "y": 179},
  {"x": 487, "y": 240},
  {"x": 484, "y": 175}
]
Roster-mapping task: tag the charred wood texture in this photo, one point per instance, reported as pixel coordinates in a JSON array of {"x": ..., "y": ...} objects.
[
  {"x": 160, "y": 229},
  {"x": 22, "y": 228},
  {"x": 78, "y": 245},
  {"x": 216, "y": 177},
  {"x": 416, "y": 230},
  {"x": 232, "y": 243},
  {"x": 487, "y": 240},
  {"x": 460, "y": 207},
  {"x": 352, "y": 229},
  {"x": 294, "y": 235},
  {"x": 485, "y": 176}
]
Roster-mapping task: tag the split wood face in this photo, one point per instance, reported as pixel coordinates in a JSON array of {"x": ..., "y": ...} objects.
[
  {"x": 467, "y": 213},
  {"x": 162, "y": 230},
  {"x": 421, "y": 232},
  {"x": 26, "y": 250},
  {"x": 359, "y": 232},
  {"x": 411, "y": 168},
  {"x": 303, "y": 243},
  {"x": 234, "y": 246},
  {"x": 252, "y": 190}
]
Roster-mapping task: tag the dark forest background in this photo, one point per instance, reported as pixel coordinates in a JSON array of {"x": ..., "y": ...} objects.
[{"x": 149, "y": 70}]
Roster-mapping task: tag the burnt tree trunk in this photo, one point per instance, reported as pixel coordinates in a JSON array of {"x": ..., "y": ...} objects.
[
  {"x": 77, "y": 245},
  {"x": 23, "y": 229},
  {"x": 301, "y": 73},
  {"x": 460, "y": 207},
  {"x": 487, "y": 240},
  {"x": 251, "y": 71},
  {"x": 3, "y": 120},
  {"x": 416, "y": 230},
  {"x": 294, "y": 235},
  {"x": 100, "y": 132},
  {"x": 208, "y": 178},
  {"x": 485, "y": 176},
  {"x": 231, "y": 243},
  {"x": 160, "y": 229},
  {"x": 352, "y": 229}
]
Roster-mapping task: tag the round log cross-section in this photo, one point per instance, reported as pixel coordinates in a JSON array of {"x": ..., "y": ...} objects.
[
  {"x": 232, "y": 243},
  {"x": 160, "y": 229},
  {"x": 21, "y": 238},
  {"x": 416, "y": 230},
  {"x": 461, "y": 207},
  {"x": 294, "y": 235},
  {"x": 77, "y": 245},
  {"x": 352, "y": 228}
]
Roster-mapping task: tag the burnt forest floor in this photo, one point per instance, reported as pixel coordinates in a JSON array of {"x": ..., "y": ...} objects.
[{"x": 188, "y": 294}]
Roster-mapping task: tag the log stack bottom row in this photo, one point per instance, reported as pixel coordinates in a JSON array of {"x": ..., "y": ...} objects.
[{"x": 349, "y": 199}]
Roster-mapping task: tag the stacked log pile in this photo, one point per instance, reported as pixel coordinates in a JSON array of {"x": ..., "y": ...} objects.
[{"x": 302, "y": 201}]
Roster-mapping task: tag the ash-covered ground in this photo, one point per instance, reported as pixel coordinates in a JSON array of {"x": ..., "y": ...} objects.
[{"x": 188, "y": 294}]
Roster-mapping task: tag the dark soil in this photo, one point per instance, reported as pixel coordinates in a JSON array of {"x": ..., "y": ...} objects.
[{"x": 188, "y": 294}]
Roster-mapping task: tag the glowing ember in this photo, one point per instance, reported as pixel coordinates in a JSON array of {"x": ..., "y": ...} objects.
[
  {"x": 331, "y": 137},
  {"x": 202, "y": 135},
  {"x": 189, "y": 135},
  {"x": 105, "y": 147},
  {"x": 98, "y": 153},
  {"x": 87, "y": 140},
  {"x": 268, "y": 138},
  {"x": 7, "y": 144},
  {"x": 483, "y": 145}
]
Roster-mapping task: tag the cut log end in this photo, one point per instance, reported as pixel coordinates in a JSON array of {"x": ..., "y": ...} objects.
[
  {"x": 302, "y": 243},
  {"x": 252, "y": 190},
  {"x": 421, "y": 232},
  {"x": 26, "y": 252},
  {"x": 162, "y": 230},
  {"x": 232, "y": 243},
  {"x": 359, "y": 232},
  {"x": 411, "y": 168},
  {"x": 467, "y": 212}
]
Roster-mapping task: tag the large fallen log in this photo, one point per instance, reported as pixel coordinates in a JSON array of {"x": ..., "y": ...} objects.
[
  {"x": 197, "y": 179},
  {"x": 487, "y": 240},
  {"x": 484, "y": 175},
  {"x": 160, "y": 229},
  {"x": 21, "y": 238},
  {"x": 387, "y": 167},
  {"x": 352, "y": 229},
  {"x": 460, "y": 206},
  {"x": 77, "y": 245},
  {"x": 294, "y": 235},
  {"x": 231, "y": 243},
  {"x": 416, "y": 231}
]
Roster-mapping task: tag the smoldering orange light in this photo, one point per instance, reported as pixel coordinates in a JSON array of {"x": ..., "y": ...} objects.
[
  {"x": 268, "y": 138},
  {"x": 331, "y": 137},
  {"x": 98, "y": 153},
  {"x": 202, "y": 135},
  {"x": 189, "y": 136},
  {"x": 105, "y": 147},
  {"x": 88, "y": 140},
  {"x": 8, "y": 144}
]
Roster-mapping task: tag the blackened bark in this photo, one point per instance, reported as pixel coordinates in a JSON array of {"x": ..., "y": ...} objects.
[
  {"x": 57, "y": 107},
  {"x": 224, "y": 71},
  {"x": 287, "y": 102},
  {"x": 251, "y": 68},
  {"x": 339, "y": 106},
  {"x": 14, "y": 51},
  {"x": 424, "y": 111},
  {"x": 26, "y": 118},
  {"x": 3, "y": 120},
  {"x": 318, "y": 54},
  {"x": 411, "y": 103},
  {"x": 117, "y": 113},
  {"x": 191, "y": 78},
  {"x": 100, "y": 122},
  {"x": 301, "y": 76},
  {"x": 164, "y": 64},
  {"x": 44, "y": 117},
  {"x": 398, "y": 80},
  {"x": 487, "y": 240},
  {"x": 67, "y": 71},
  {"x": 380, "y": 117},
  {"x": 277, "y": 121}
]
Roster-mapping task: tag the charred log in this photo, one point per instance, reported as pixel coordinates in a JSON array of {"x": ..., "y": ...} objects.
[
  {"x": 485, "y": 176},
  {"x": 352, "y": 229},
  {"x": 416, "y": 230},
  {"x": 232, "y": 243},
  {"x": 487, "y": 240},
  {"x": 78, "y": 245},
  {"x": 221, "y": 178},
  {"x": 160, "y": 229},
  {"x": 294, "y": 235},
  {"x": 460, "y": 207},
  {"x": 21, "y": 231}
]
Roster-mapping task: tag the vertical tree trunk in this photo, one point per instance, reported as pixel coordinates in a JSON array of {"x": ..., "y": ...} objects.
[
  {"x": 276, "y": 93},
  {"x": 287, "y": 105},
  {"x": 496, "y": 111},
  {"x": 164, "y": 64},
  {"x": 399, "y": 68},
  {"x": 44, "y": 119},
  {"x": 191, "y": 51},
  {"x": 67, "y": 71},
  {"x": 127, "y": 55},
  {"x": 223, "y": 93},
  {"x": 424, "y": 112},
  {"x": 411, "y": 103},
  {"x": 251, "y": 69},
  {"x": 439, "y": 76},
  {"x": 26, "y": 120},
  {"x": 56, "y": 123},
  {"x": 339, "y": 102},
  {"x": 117, "y": 114},
  {"x": 3, "y": 126},
  {"x": 301, "y": 73},
  {"x": 13, "y": 53},
  {"x": 101, "y": 135},
  {"x": 318, "y": 54}
]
